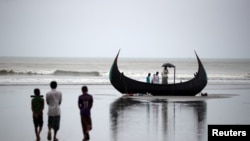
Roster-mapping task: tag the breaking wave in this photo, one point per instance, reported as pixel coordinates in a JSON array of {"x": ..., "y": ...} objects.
[
  {"x": 57, "y": 73},
  {"x": 12, "y": 72},
  {"x": 83, "y": 73}
]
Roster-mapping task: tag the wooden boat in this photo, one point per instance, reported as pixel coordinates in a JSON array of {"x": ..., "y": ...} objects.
[{"x": 126, "y": 85}]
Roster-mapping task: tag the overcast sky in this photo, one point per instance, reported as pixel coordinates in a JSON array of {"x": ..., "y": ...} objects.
[{"x": 140, "y": 28}]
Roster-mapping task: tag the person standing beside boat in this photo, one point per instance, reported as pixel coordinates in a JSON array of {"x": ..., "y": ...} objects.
[
  {"x": 156, "y": 79},
  {"x": 148, "y": 78},
  {"x": 164, "y": 75}
]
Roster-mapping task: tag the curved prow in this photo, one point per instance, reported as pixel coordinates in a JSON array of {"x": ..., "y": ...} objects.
[
  {"x": 113, "y": 73},
  {"x": 201, "y": 72},
  {"x": 117, "y": 55},
  {"x": 113, "y": 65}
]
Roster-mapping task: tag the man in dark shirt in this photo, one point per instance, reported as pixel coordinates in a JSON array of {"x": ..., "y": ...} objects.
[
  {"x": 37, "y": 106},
  {"x": 85, "y": 102}
]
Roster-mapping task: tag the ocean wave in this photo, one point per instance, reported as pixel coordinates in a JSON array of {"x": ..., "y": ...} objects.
[
  {"x": 5, "y": 72},
  {"x": 56, "y": 72},
  {"x": 77, "y": 73},
  {"x": 12, "y": 72}
]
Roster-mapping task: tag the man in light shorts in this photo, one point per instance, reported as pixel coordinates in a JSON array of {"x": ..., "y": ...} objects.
[{"x": 53, "y": 99}]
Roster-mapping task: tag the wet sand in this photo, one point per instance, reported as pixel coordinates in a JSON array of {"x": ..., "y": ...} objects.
[{"x": 119, "y": 118}]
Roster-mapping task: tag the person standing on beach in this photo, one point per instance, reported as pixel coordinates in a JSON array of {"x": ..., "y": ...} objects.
[
  {"x": 53, "y": 99},
  {"x": 85, "y": 103},
  {"x": 37, "y": 106}
]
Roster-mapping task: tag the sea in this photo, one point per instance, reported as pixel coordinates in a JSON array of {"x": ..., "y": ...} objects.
[
  {"x": 72, "y": 71},
  {"x": 118, "y": 117}
]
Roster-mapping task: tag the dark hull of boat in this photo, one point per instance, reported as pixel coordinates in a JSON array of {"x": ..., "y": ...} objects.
[{"x": 126, "y": 85}]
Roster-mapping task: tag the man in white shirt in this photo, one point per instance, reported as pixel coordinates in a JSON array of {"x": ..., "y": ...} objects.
[
  {"x": 165, "y": 75},
  {"x": 156, "y": 79},
  {"x": 53, "y": 99}
]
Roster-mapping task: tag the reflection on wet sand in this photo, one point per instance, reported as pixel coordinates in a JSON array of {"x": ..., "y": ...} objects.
[{"x": 158, "y": 119}]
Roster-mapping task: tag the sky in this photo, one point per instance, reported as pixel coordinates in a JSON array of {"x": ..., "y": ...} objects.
[{"x": 140, "y": 28}]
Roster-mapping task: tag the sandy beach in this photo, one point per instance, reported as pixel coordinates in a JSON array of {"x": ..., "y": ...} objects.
[{"x": 117, "y": 118}]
